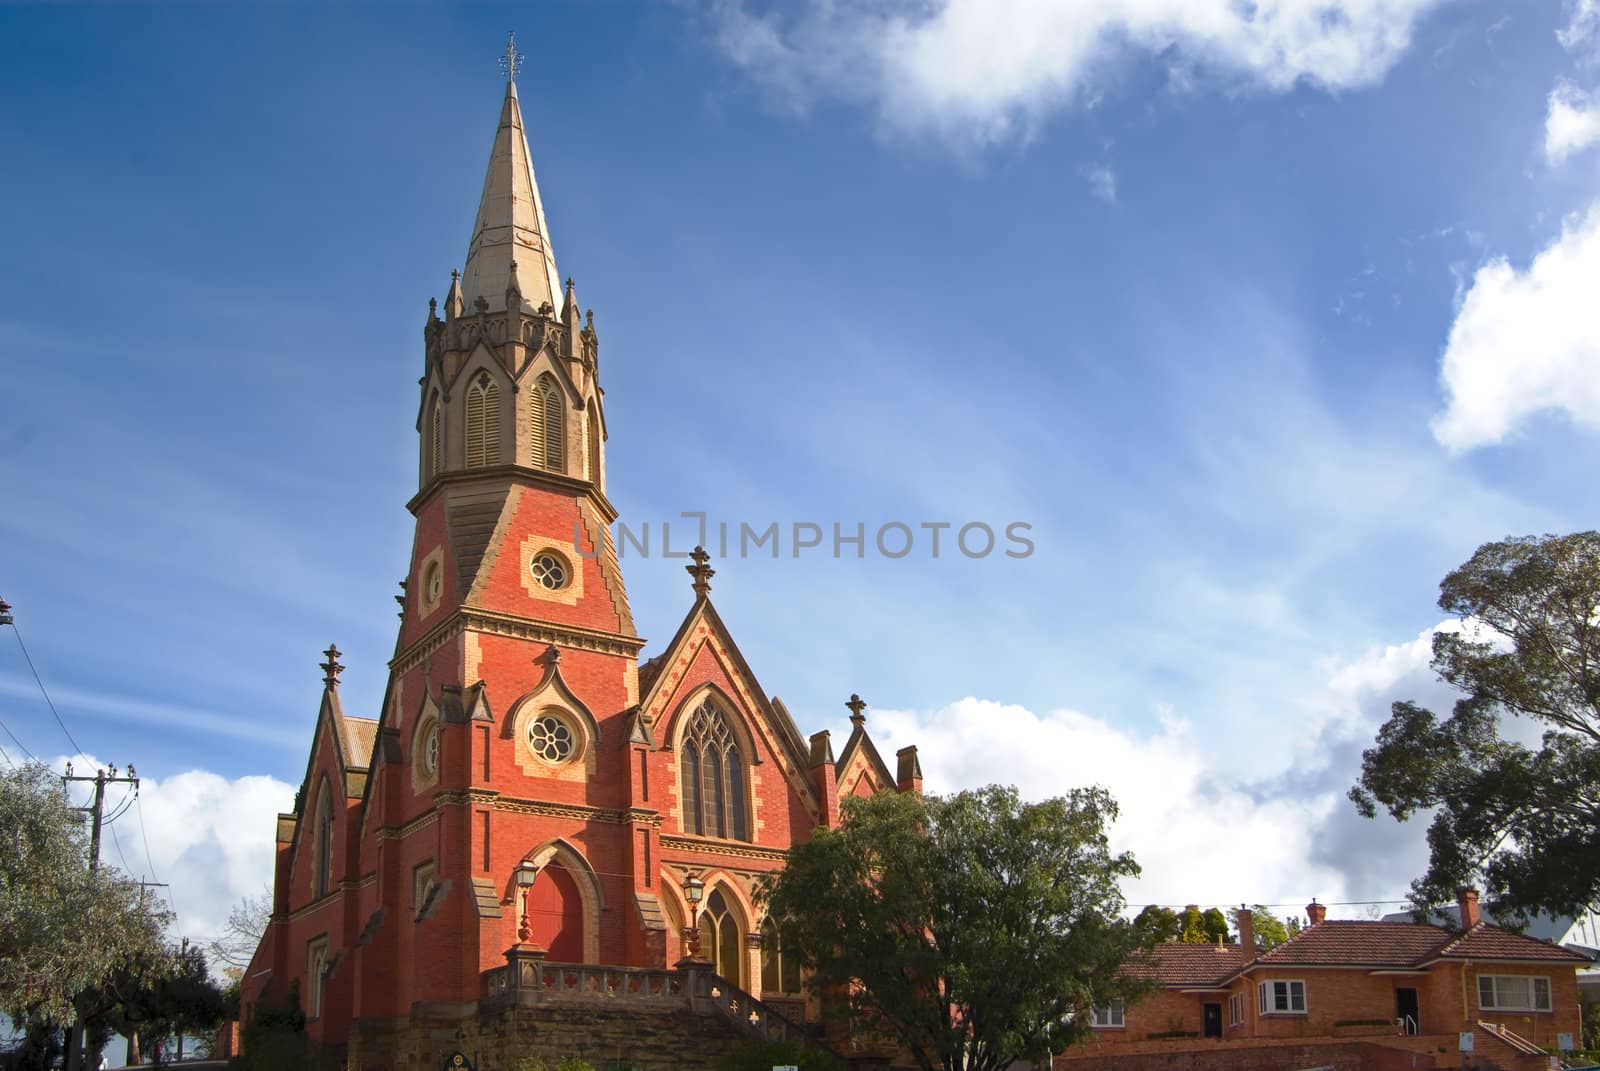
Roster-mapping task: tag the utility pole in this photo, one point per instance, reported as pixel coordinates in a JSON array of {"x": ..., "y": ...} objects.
[{"x": 75, "y": 1039}]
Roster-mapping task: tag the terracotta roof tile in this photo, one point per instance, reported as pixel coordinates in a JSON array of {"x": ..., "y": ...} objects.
[
  {"x": 1371, "y": 944},
  {"x": 1181, "y": 966},
  {"x": 1484, "y": 941}
]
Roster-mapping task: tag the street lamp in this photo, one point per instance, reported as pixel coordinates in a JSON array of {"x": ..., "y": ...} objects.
[
  {"x": 527, "y": 873},
  {"x": 693, "y": 890}
]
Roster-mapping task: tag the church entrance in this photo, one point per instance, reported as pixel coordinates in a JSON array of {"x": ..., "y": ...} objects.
[{"x": 555, "y": 914}]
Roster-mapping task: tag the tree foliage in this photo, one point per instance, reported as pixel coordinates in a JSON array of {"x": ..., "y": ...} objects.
[
  {"x": 241, "y": 934},
  {"x": 1525, "y": 820},
  {"x": 64, "y": 930},
  {"x": 975, "y": 930},
  {"x": 1270, "y": 930}
]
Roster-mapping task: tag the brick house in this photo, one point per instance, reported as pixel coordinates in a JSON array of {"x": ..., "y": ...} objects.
[
  {"x": 1352, "y": 993},
  {"x": 530, "y": 792}
]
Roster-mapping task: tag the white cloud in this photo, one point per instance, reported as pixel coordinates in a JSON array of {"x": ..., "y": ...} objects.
[
  {"x": 983, "y": 69},
  {"x": 1203, "y": 831},
  {"x": 1525, "y": 342},
  {"x": 1102, "y": 182},
  {"x": 1581, "y": 30},
  {"x": 1572, "y": 123},
  {"x": 211, "y": 839}
]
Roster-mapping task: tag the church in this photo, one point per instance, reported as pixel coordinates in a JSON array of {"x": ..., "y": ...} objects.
[{"x": 534, "y": 791}]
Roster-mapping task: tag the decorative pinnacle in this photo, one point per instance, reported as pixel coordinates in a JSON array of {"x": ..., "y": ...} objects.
[
  {"x": 701, "y": 571},
  {"x": 331, "y": 668},
  {"x": 511, "y": 61},
  {"x": 856, "y": 705},
  {"x": 5, "y": 612}
]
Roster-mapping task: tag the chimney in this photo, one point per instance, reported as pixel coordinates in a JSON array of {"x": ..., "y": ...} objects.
[
  {"x": 1315, "y": 913},
  {"x": 823, "y": 777},
  {"x": 1247, "y": 932},
  {"x": 1467, "y": 902},
  {"x": 908, "y": 777}
]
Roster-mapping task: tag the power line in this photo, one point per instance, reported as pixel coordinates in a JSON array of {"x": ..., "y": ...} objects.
[
  {"x": 7, "y": 619},
  {"x": 17, "y": 742},
  {"x": 148, "y": 858}
]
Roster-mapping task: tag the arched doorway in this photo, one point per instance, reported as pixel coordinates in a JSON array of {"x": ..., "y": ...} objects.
[
  {"x": 555, "y": 914},
  {"x": 722, "y": 936}
]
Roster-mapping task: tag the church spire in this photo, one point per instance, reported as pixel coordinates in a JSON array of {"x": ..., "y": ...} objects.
[{"x": 510, "y": 224}]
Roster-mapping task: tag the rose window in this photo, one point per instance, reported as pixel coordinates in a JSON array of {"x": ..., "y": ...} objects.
[
  {"x": 550, "y": 738},
  {"x": 549, "y": 570}
]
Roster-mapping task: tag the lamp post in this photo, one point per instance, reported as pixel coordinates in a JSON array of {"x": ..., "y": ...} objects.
[
  {"x": 693, "y": 890},
  {"x": 527, "y": 873}
]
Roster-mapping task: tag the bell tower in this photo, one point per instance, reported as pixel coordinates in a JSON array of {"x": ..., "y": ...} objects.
[{"x": 504, "y": 726}]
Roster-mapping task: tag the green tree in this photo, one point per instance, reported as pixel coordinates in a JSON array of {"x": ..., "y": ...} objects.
[
  {"x": 1161, "y": 923},
  {"x": 1525, "y": 820},
  {"x": 1196, "y": 927},
  {"x": 1271, "y": 931},
  {"x": 64, "y": 930},
  {"x": 975, "y": 929}
]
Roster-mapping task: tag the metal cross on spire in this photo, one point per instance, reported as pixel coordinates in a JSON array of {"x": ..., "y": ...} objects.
[{"x": 511, "y": 62}]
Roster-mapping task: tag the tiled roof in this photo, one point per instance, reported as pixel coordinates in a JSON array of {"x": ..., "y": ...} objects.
[
  {"x": 1368, "y": 944},
  {"x": 1181, "y": 966},
  {"x": 1491, "y": 942},
  {"x": 359, "y": 735}
]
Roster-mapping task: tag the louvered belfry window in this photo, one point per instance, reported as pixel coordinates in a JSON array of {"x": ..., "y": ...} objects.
[
  {"x": 483, "y": 422},
  {"x": 714, "y": 800},
  {"x": 549, "y": 433},
  {"x": 436, "y": 437}
]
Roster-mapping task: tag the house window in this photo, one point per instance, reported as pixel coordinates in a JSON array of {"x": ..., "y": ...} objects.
[
  {"x": 1109, "y": 1017},
  {"x": 316, "y": 975},
  {"x": 714, "y": 798},
  {"x": 548, "y": 436},
  {"x": 483, "y": 422},
  {"x": 1236, "y": 1009},
  {"x": 1513, "y": 992},
  {"x": 780, "y": 967},
  {"x": 1282, "y": 998}
]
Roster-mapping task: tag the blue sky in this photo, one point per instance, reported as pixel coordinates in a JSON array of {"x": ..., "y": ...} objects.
[{"x": 1261, "y": 325}]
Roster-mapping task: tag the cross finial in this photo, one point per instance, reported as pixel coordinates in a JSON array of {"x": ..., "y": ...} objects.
[
  {"x": 856, "y": 706},
  {"x": 511, "y": 62},
  {"x": 701, "y": 571},
  {"x": 331, "y": 668}
]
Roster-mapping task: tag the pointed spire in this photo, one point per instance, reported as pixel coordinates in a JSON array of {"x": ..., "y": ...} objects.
[
  {"x": 454, "y": 303},
  {"x": 510, "y": 224},
  {"x": 701, "y": 571}
]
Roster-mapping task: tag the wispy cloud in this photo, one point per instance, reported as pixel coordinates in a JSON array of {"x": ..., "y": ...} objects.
[
  {"x": 985, "y": 70},
  {"x": 1572, "y": 122},
  {"x": 1102, "y": 182},
  {"x": 143, "y": 712}
]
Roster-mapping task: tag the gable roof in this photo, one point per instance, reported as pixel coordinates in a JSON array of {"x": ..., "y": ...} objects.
[
  {"x": 860, "y": 741},
  {"x": 1183, "y": 966},
  {"x": 1484, "y": 941},
  {"x": 1352, "y": 943},
  {"x": 359, "y": 734}
]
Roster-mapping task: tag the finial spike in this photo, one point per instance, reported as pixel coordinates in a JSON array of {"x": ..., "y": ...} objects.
[
  {"x": 701, "y": 571},
  {"x": 331, "y": 668},
  {"x": 511, "y": 61},
  {"x": 857, "y": 706}
]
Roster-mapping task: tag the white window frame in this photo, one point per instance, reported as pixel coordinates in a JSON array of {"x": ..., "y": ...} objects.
[
  {"x": 1532, "y": 983},
  {"x": 1237, "y": 1008},
  {"x": 1267, "y": 997},
  {"x": 1113, "y": 1016}
]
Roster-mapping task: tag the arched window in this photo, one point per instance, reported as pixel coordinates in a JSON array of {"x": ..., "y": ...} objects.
[
  {"x": 322, "y": 835},
  {"x": 483, "y": 422},
  {"x": 719, "y": 938},
  {"x": 435, "y": 437},
  {"x": 715, "y": 803},
  {"x": 594, "y": 442},
  {"x": 548, "y": 425},
  {"x": 780, "y": 969}
]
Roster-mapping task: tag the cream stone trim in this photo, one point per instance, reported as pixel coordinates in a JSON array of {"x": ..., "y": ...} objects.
[
  {"x": 712, "y": 846},
  {"x": 579, "y": 766},
  {"x": 557, "y": 849},
  {"x": 430, "y": 569},
  {"x": 522, "y": 628},
  {"x": 401, "y": 832},
  {"x": 570, "y": 592}
]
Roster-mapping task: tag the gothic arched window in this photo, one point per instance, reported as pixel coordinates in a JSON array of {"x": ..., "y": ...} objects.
[
  {"x": 435, "y": 436},
  {"x": 719, "y": 937},
  {"x": 548, "y": 425},
  {"x": 780, "y": 967},
  {"x": 594, "y": 442},
  {"x": 715, "y": 803},
  {"x": 483, "y": 422},
  {"x": 322, "y": 836}
]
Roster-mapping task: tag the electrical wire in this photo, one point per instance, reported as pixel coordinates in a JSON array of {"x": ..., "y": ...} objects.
[
  {"x": 148, "y": 858},
  {"x": 77, "y": 747},
  {"x": 17, "y": 742}
]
